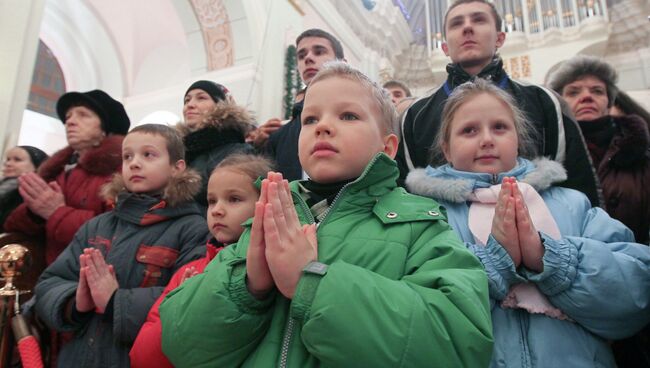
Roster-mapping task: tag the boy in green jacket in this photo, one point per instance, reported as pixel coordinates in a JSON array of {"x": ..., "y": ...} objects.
[{"x": 343, "y": 269}]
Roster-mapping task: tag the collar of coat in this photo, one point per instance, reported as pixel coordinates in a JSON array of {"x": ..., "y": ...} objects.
[
  {"x": 632, "y": 140},
  {"x": 493, "y": 72},
  {"x": 180, "y": 189},
  {"x": 446, "y": 183},
  {"x": 225, "y": 116},
  {"x": 102, "y": 160}
]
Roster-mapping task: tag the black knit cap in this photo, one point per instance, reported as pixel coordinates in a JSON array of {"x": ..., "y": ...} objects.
[
  {"x": 215, "y": 90},
  {"x": 36, "y": 155},
  {"x": 111, "y": 112}
]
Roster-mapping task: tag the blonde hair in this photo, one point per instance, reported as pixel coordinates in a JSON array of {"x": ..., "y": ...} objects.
[
  {"x": 340, "y": 69},
  {"x": 254, "y": 166},
  {"x": 463, "y": 94}
]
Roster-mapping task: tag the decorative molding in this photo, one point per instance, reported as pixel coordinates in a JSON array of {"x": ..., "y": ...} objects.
[{"x": 217, "y": 34}]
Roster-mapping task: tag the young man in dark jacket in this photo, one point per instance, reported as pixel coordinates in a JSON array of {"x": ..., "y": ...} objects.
[
  {"x": 314, "y": 48},
  {"x": 104, "y": 283},
  {"x": 473, "y": 36}
]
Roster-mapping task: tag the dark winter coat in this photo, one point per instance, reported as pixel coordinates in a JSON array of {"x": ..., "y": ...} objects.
[
  {"x": 80, "y": 187},
  {"x": 558, "y": 136},
  {"x": 9, "y": 198},
  {"x": 221, "y": 134},
  {"x": 145, "y": 239},
  {"x": 624, "y": 171},
  {"x": 282, "y": 147}
]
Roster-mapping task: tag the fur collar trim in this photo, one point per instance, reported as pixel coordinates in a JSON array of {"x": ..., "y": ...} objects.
[
  {"x": 632, "y": 142},
  {"x": 182, "y": 188},
  {"x": 448, "y": 188},
  {"x": 226, "y": 116},
  {"x": 102, "y": 160}
]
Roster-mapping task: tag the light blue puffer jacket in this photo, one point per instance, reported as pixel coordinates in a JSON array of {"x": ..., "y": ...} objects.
[{"x": 595, "y": 274}]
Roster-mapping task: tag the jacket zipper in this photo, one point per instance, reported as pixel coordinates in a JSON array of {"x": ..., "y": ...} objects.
[
  {"x": 284, "y": 355},
  {"x": 286, "y": 340}
]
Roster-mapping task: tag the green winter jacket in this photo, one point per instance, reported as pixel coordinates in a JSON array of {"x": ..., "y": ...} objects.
[{"x": 401, "y": 291}]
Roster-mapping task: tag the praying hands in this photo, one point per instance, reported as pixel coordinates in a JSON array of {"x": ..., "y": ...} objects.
[
  {"x": 40, "y": 197},
  {"x": 280, "y": 247},
  {"x": 513, "y": 228},
  {"x": 97, "y": 282}
]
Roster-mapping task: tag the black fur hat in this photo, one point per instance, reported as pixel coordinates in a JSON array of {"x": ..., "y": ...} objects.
[{"x": 111, "y": 112}]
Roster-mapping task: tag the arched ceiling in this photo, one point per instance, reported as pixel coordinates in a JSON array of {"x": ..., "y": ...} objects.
[{"x": 134, "y": 47}]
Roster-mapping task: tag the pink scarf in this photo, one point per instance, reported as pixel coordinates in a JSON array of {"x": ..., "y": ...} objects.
[{"x": 481, "y": 213}]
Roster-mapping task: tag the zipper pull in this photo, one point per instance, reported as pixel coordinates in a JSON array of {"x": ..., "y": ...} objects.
[{"x": 494, "y": 179}]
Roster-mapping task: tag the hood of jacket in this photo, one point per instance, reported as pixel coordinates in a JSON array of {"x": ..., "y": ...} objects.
[
  {"x": 225, "y": 116},
  {"x": 102, "y": 160},
  {"x": 449, "y": 184},
  {"x": 228, "y": 123},
  {"x": 180, "y": 190}
]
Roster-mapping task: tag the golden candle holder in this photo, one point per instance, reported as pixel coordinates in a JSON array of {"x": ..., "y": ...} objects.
[{"x": 15, "y": 259}]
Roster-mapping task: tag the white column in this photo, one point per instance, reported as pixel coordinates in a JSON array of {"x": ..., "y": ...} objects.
[
  {"x": 525, "y": 16},
  {"x": 576, "y": 16},
  {"x": 427, "y": 11},
  {"x": 20, "y": 23},
  {"x": 560, "y": 13}
]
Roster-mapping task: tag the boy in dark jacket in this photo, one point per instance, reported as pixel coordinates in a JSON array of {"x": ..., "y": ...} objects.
[
  {"x": 104, "y": 283},
  {"x": 345, "y": 269}
]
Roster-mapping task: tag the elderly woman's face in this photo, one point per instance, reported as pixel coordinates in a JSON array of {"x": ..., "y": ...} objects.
[
  {"x": 196, "y": 106},
  {"x": 83, "y": 128},
  {"x": 587, "y": 98},
  {"x": 17, "y": 162}
]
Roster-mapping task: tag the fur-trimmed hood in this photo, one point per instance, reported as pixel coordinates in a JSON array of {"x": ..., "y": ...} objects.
[
  {"x": 446, "y": 183},
  {"x": 102, "y": 160},
  {"x": 226, "y": 116},
  {"x": 180, "y": 189}
]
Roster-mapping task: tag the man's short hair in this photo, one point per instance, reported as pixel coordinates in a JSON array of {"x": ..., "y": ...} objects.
[
  {"x": 581, "y": 66},
  {"x": 172, "y": 137},
  {"x": 493, "y": 9},
  {"x": 341, "y": 69},
  {"x": 398, "y": 84},
  {"x": 315, "y": 32}
]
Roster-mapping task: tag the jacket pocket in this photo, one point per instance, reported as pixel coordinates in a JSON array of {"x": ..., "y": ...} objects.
[{"x": 155, "y": 258}]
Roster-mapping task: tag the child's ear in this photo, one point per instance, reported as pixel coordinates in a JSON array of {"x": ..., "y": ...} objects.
[
  {"x": 390, "y": 145},
  {"x": 445, "y": 151},
  {"x": 179, "y": 166}
]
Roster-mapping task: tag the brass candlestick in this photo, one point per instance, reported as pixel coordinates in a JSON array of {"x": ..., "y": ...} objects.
[{"x": 14, "y": 260}]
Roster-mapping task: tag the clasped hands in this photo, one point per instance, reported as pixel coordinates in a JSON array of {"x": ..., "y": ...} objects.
[
  {"x": 40, "y": 197},
  {"x": 513, "y": 228},
  {"x": 97, "y": 282},
  {"x": 280, "y": 247}
]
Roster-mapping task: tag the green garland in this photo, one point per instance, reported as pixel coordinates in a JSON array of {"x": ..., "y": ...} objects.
[{"x": 292, "y": 83}]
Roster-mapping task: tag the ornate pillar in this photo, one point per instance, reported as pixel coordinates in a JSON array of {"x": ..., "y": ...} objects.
[{"x": 217, "y": 36}]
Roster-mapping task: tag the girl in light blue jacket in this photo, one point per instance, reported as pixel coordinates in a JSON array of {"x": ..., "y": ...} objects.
[{"x": 564, "y": 278}]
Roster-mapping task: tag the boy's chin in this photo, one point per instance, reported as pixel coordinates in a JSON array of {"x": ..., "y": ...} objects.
[{"x": 331, "y": 177}]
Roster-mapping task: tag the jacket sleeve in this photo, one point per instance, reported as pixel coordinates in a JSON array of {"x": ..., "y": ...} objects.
[
  {"x": 436, "y": 314},
  {"x": 601, "y": 279},
  {"x": 131, "y": 306},
  {"x": 499, "y": 267},
  {"x": 58, "y": 284},
  {"x": 147, "y": 348},
  {"x": 215, "y": 314},
  {"x": 64, "y": 223},
  {"x": 22, "y": 220}
]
